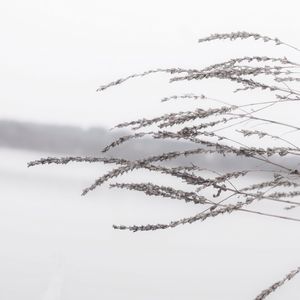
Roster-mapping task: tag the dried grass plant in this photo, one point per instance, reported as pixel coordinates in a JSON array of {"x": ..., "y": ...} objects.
[{"x": 211, "y": 132}]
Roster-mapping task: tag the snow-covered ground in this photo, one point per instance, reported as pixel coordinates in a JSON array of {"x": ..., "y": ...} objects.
[{"x": 56, "y": 244}]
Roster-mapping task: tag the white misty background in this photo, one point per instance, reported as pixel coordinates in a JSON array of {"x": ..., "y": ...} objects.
[{"x": 57, "y": 245}]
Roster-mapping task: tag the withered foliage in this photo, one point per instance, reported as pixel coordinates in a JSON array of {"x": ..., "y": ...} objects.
[{"x": 219, "y": 130}]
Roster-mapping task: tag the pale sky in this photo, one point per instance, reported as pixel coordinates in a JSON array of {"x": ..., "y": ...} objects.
[{"x": 54, "y": 54}]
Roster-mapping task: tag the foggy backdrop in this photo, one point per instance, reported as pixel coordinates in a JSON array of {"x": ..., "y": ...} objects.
[{"x": 57, "y": 245}]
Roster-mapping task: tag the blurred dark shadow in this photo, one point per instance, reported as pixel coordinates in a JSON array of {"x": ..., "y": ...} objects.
[{"x": 72, "y": 140}]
